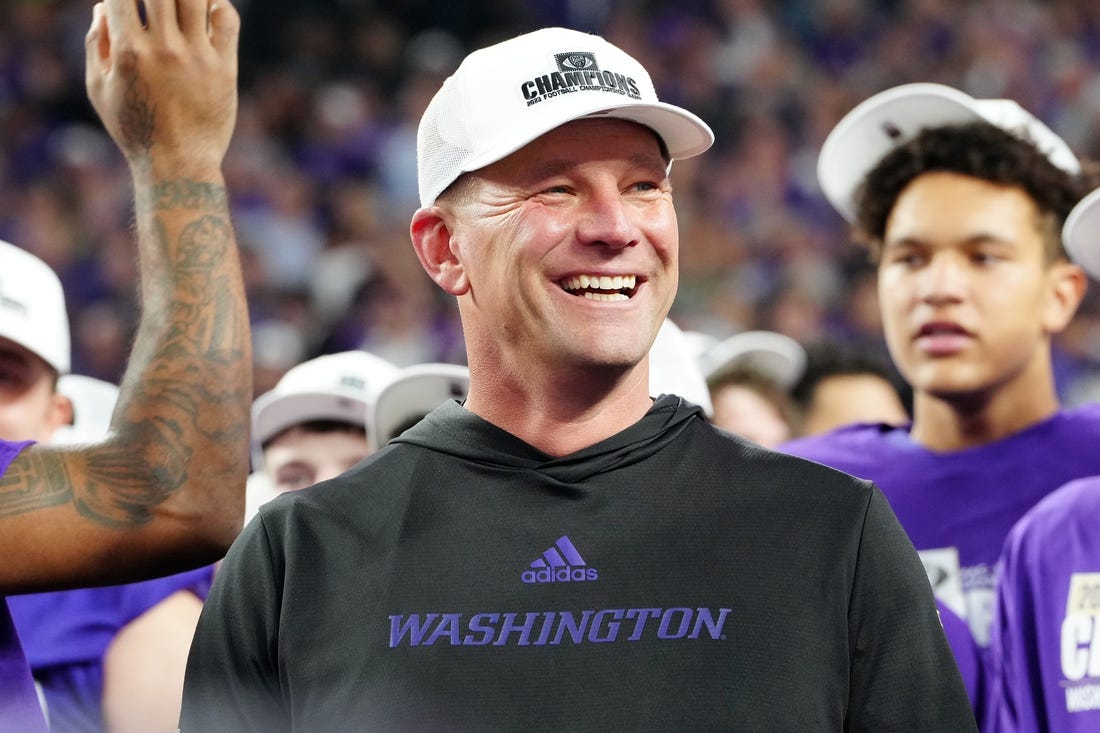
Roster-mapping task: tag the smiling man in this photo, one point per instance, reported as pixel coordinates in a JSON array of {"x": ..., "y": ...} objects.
[
  {"x": 561, "y": 551},
  {"x": 962, "y": 203}
]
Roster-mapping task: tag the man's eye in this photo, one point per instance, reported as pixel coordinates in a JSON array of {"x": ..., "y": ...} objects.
[{"x": 293, "y": 480}]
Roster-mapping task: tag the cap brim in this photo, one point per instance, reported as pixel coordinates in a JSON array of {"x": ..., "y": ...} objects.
[
  {"x": 878, "y": 125},
  {"x": 684, "y": 134},
  {"x": 419, "y": 391},
  {"x": 274, "y": 415},
  {"x": 774, "y": 354},
  {"x": 1081, "y": 234}
]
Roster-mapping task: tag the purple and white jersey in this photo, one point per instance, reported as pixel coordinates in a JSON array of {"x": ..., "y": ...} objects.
[
  {"x": 19, "y": 709},
  {"x": 1045, "y": 655},
  {"x": 958, "y": 507}
]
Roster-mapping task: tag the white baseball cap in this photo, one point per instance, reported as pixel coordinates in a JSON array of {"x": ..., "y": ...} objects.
[
  {"x": 32, "y": 307},
  {"x": 674, "y": 367},
  {"x": 415, "y": 392},
  {"x": 893, "y": 117},
  {"x": 93, "y": 402},
  {"x": 338, "y": 387},
  {"x": 504, "y": 96},
  {"x": 774, "y": 354},
  {"x": 1081, "y": 234}
]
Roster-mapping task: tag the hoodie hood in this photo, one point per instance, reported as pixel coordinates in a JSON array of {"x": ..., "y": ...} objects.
[{"x": 454, "y": 430}]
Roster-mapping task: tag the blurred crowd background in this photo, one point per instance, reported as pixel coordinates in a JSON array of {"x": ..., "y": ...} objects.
[{"x": 322, "y": 169}]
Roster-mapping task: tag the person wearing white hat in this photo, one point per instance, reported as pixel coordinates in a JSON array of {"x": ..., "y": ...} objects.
[
  {"x": 164, "y": 492},
  {"x": 1045, "y": 639},
  {"x": 34, "y": 346},
  {"x": 962, "y": 203},
  {"x": 750, "y": 375},
  {"x": 564, "y": 551},
  {"x": 313, "y": 425},
  {"x": 133, "y": 637},
  {"x": 411, "y": 395}
]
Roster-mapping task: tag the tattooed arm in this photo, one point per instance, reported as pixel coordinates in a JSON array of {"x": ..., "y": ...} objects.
[{"x": 165, "y": 491}]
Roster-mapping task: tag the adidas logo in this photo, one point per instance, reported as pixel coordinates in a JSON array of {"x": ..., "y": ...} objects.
[{"x": 560, "y": 564}]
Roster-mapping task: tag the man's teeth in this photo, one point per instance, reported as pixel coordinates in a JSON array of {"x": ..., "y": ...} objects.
[{"x": 601, "y": 287}]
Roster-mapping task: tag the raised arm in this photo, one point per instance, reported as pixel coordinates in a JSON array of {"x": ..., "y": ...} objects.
[{"x": 165, "y": 491}]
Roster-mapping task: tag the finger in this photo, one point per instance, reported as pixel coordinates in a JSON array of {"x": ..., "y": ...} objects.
[
  {"x": 97, "y": 46},
  {"x": 192, "y": 17},
  {"x": 122, "y": 18},
  {"x": 225, "y": 29},
  {"x": 161, "y": 16}
]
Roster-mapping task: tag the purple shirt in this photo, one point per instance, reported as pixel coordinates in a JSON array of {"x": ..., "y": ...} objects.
[
  {"x": 969, "y": 661},
  {"x": 1045, "y": 655},
  {"x": 958, "y": 507},
  {"x": 65, "y": 635},
  {"x": 19, "y": 709}
]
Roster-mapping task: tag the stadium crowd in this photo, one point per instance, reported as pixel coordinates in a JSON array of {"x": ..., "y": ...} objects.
[{"x": 322, "y": 165}]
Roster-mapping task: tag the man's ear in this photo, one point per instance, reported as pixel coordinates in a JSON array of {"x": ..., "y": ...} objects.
[
  {"x": 434, "y": 244},
  {"x": 1069, "y": 286},
  {"x": 60, "y": 413}
]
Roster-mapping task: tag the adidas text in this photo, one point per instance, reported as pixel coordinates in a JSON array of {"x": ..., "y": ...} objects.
[{"x": 560, "y": 575}]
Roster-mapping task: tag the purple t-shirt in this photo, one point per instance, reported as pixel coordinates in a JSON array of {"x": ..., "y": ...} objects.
[
  {"x": 971, "y": 666},
  {"x": 1045, "y": 655},
  {"x": 19, "y": 709},
  {"x": 958, "y": 507},
  {"x": 65, "y": 635}
]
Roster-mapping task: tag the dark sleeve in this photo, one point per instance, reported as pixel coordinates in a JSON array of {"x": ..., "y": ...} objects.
[
  {"x": 903, "y": 675},
  {"x": 232, "y": 682}
]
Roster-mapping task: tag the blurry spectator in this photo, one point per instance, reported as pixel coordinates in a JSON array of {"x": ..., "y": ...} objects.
[
  {"x": 412, "y": 394},
  {"x": 750, "y": 376},
  {"x": 843, "y": 384},
  {"x": 674, "y": 367},
  {"x": 66, "y": 634},
  {"x": 1045, "y": 649},
  {"x": 331, "y": 91},
  {"x": 313, "y": 425}
]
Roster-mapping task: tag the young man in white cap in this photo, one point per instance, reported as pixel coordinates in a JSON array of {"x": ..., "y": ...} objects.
[
  {"x": 1045, "y": 640},
  {"x": 563, "y": 552},
  {"x": 313, "y": 425},
  {"x": 165, "y": 491},
  {"x": 962, "y": 203}
]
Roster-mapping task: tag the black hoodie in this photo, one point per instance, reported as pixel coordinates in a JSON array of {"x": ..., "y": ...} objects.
[{"x": 671, "y": 577}]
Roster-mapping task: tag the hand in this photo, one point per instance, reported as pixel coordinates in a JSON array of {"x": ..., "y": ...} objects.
[{"x": 166, "y": 88}]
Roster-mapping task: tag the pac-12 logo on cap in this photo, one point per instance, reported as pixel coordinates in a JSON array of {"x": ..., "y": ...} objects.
[{"x": 576, "y": 61}]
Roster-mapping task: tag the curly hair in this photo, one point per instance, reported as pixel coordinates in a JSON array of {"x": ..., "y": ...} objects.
[{"x": 979, "y": 150}]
